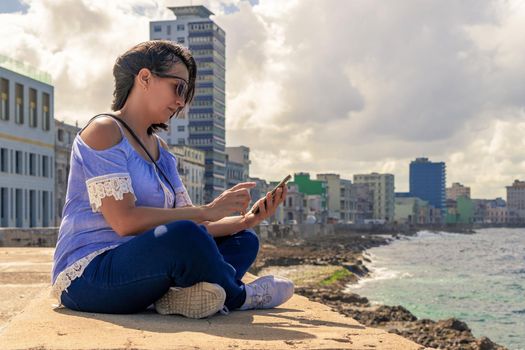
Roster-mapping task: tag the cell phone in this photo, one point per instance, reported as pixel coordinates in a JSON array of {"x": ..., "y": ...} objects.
[{"x": 281, "y": 184}]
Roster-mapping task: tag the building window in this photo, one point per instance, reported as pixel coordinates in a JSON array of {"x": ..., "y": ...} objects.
[
  {"x": 18, "y": 207},
  {"x": 168, "y": 29},
  {"x": 32, "y": 108},
  {"x": 4, "y": 99},
  {"x": 45, "y": 208},
  {"x": 32, "y": 208},
  {"x": 19, "y": 106},
  {"x": 19, "y": 162},
  {"x": 180, "y": 27},
  {"x": 60, "y": 135},
  {"x": 32, "y": 164},
  {"x": 3, "y": 206},
  {"x": 180, "y": 40},
  {"x": 181, "y": 141},
  {"x": 180, "y": 128},
  {"x": 157, "y": 28},
  {"x": 46, "y": 112},
  {"x": 3, "y": 160},
  {"x": 45, "y": 166}
]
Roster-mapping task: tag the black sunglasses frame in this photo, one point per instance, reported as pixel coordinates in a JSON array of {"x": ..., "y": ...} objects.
[{"x": 184, "y": 92}]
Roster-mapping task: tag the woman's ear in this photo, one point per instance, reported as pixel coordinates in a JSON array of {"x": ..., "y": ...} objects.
[{"x": 144, "y": 78}]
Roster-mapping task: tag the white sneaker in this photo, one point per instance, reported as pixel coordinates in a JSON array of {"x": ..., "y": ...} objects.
[
  {"x": 198, "y": 301},
  {"x": 267, "y": 292}
]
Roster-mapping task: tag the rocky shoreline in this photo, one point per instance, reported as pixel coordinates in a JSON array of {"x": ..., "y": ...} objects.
[{"x": 322, "y": 266}]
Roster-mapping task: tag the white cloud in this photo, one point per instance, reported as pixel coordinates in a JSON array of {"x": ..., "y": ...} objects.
[{"x": 322, "y": 86}]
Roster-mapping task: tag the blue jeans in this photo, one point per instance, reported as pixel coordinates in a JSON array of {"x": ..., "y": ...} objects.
[{"x": 132, "y": 276}]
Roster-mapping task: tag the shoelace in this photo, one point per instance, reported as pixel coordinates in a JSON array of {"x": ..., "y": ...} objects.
[{"x": 260, "y": 296}]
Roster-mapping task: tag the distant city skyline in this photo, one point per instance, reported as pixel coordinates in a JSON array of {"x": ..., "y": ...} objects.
[{"x": 372, "y": 85}]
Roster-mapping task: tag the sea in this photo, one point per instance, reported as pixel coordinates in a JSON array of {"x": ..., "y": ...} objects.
[{"x": 478, "y": 278}]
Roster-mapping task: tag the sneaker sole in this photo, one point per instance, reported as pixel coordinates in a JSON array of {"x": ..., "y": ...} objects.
[{"x": 198, "y": 301}]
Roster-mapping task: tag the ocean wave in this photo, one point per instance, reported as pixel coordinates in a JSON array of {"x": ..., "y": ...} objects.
[
  {"x": 435, "y": 234},
  {"x": 379, "y": 274}
]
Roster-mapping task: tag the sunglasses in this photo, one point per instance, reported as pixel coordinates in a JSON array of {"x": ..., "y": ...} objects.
[{"x": 182, "y": 87}]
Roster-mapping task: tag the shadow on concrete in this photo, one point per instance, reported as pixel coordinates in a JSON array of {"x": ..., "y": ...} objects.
[{"x": 237, "y": 325}]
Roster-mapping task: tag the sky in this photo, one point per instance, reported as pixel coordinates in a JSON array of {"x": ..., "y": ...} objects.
[{"x": 332, "y": 86}]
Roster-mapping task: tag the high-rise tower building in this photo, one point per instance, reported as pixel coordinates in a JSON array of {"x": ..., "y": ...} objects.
[
  {"x": 204, "y": 127},
  {"x": 428, "y": 181}
]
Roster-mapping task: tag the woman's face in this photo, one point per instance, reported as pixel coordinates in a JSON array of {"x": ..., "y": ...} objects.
[{"x": 167, "y": 92}]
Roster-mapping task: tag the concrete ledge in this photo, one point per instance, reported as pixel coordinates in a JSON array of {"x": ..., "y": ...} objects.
[
  {"x": 28, "y": 237},
  {"x": 298, "y": 324}
]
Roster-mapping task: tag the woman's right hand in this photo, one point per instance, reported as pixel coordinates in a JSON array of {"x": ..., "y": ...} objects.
[{"x": 235, "y": 199}]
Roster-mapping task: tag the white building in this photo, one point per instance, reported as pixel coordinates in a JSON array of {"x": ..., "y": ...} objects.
[
  {"x": 383, "y": 189},
  {"x": 294, "y": 205},
  {"x": 190, "y": 164},
  {"x": 260, "y": 189},
  {"x": 27, "y": 146},
  {"x": 65, "y": 134}
]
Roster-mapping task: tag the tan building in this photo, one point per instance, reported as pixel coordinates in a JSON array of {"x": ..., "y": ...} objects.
[
  {"x": 333, "y": 182},
  {"x": 346, "y": 200},
  {"x": 499, "y": 215},
  {"x": 65, "y": 134},
  {"x": 457, "y": 190},
  {"x": 383, "y": 189},
  {"x": 190, "y": 164},
  {"x": 516, "y": 199},
  {"x": 241, "y": 155}
]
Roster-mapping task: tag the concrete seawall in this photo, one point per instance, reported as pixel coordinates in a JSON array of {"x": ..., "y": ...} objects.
[
  {"x": 47, "y": 236},
  {"x": 28, "y": 237}
]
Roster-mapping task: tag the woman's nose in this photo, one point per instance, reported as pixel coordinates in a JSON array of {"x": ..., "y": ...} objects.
[{"x": 180, "y": 101}]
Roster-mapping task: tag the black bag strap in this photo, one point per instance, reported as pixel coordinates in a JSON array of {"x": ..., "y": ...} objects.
[{"x": 141, "y": 145}]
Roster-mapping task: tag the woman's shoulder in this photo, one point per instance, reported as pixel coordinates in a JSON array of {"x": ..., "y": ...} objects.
[
  {"x": 163, "y": 143},
  {"x": 101, "y": 134}
]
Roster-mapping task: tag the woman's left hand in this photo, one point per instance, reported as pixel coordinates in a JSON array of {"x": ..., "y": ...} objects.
[{"x": 267, "y": 206}]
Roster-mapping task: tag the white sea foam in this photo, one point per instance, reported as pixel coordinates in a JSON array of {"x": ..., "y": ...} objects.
[{"x": 377, "y": 273}]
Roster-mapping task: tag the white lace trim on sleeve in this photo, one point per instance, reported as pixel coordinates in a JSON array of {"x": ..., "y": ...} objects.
[
  {"x": 182, "y": 199},
  {"x": 115, "y": 185},
  {"x": 72, "y": 272}
]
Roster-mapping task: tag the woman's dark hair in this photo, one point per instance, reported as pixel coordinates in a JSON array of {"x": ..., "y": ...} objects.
[{"x": 155, "y": 55}]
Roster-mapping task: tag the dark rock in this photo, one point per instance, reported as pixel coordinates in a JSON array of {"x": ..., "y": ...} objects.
[
  {"x": 357, "y": 269},
  {"x": 454, "y": 323},
  {"x": 485, "y": 343},
  {"x": 395, "y": 313}
]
